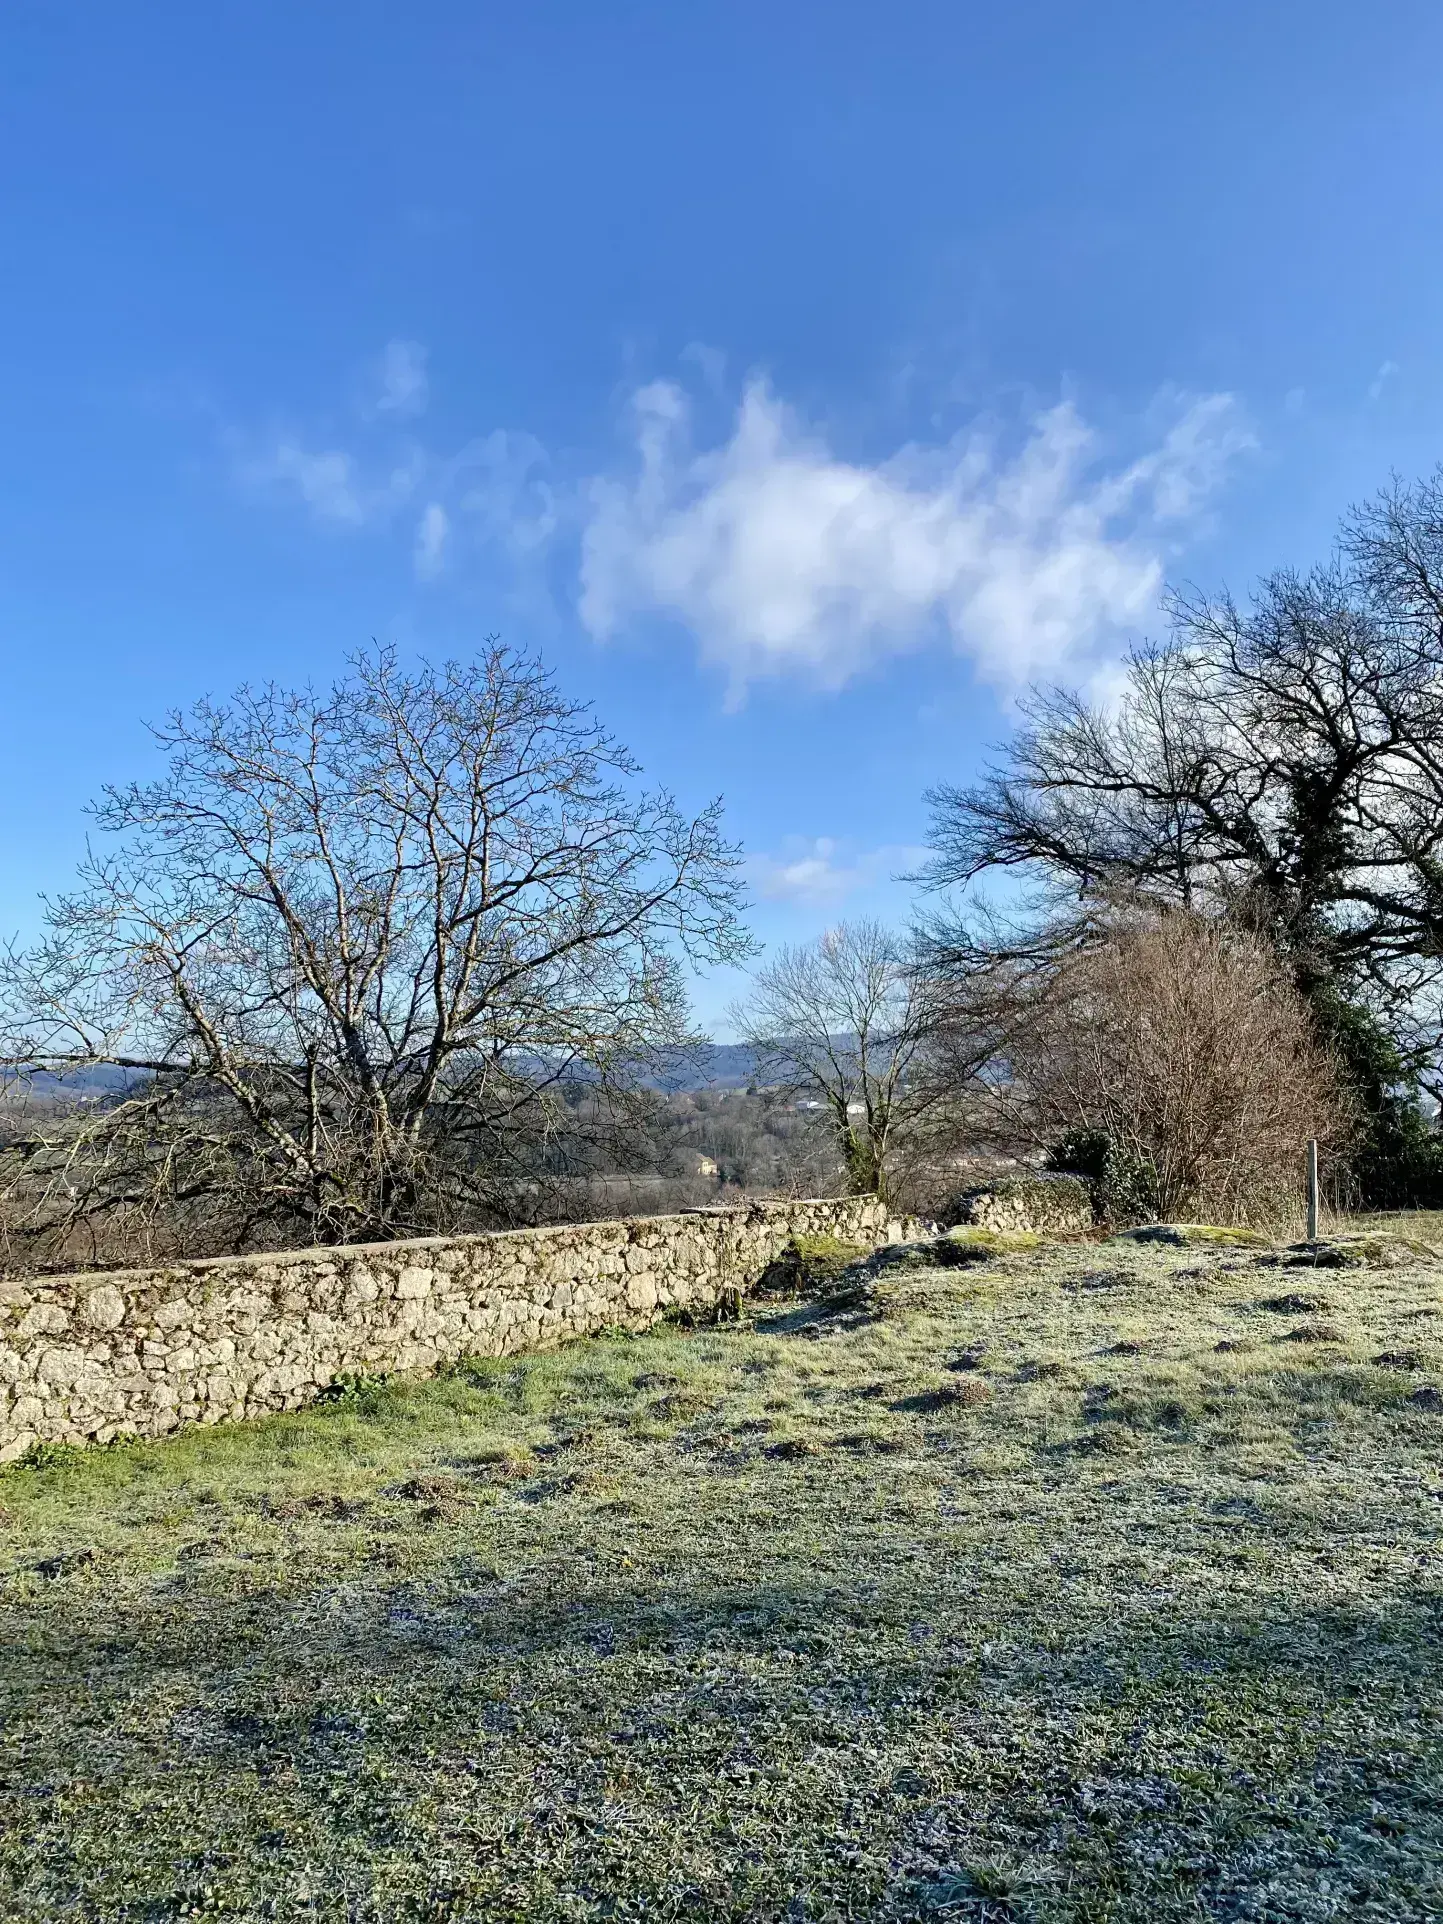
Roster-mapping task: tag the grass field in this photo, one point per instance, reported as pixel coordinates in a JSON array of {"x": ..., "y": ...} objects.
[{"x": 1098, "y": 1582}]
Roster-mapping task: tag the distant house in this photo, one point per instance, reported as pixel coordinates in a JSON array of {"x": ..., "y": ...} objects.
[
  {"x": 706, "y": 1166},
  {"x": 808, "y": 1102}
]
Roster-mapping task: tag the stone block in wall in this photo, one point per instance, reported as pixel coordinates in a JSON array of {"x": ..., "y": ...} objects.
[
  {"x": 41, "y": 1320},
  {"x": 102, "y": 1308},
  {"x": 60, "y": 1368}
]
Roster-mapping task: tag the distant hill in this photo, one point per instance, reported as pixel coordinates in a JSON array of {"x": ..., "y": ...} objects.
[
  {"x": 101, "y": 1080},
  {"x": 716, "y": 1065}
]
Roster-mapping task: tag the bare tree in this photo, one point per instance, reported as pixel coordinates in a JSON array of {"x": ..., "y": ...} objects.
[
  {"x": 350, "y": 947},
  {"x": 845, "y": 1021},
  {"x": 1181, "y": 1046}
]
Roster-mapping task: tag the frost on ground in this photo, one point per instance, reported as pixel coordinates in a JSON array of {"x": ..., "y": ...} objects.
[{"x": 1081, "y": 1582}]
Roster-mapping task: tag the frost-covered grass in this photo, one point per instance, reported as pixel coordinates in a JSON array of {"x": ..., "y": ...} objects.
[{"x": 1089, "y": 1582}]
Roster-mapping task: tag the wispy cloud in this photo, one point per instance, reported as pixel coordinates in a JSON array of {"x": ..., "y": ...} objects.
[
  {"x": 494, "y": 493},
  {"x": 401, "y": 387},
  {"x": 1032, "y": 555},
  {"x": 781, "y": 557},
  {"x": 819, "y": 872},
  {"x": 502, "y": 483},
  {"x": 331, "y": 482},
  {"x": 431, "y": 533},
  {"x": 1388, "y": 371}
]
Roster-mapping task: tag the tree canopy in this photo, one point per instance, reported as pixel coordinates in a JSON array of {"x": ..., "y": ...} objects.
[{"x": 1279, "y": 761}]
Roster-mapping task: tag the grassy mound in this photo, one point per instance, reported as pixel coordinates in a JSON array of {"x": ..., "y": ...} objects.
[
  {"x": 994, "y": 1242},
  {"x": 1077, "y": 1582},
  {"x": 1358, "y": 1251},
  {"x": 812, "y": 1262},
  {"x": 1195, "y": 1235}
]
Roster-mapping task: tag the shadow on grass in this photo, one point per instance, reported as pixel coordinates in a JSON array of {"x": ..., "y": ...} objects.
[{"x": 553, "y": 1744}]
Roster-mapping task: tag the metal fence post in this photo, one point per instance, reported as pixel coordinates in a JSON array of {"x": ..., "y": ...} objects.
[{"x": 1313, "y": 1191}]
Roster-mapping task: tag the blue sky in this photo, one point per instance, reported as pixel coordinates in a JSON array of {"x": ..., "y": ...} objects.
[{"x": 799, "y": 379}]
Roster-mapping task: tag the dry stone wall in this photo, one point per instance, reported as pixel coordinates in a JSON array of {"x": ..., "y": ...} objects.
[
  {"x": 1056, "y": 1205},
  {"x": 139, "y": 1352}
]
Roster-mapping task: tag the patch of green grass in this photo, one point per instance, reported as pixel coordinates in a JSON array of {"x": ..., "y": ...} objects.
[
  {"x": 1196, "y": 1235},
  {"x": 1066, "y": 1585},
  {"x": 995, "y": 1240},
  {"x": 828, "y": 1249},
  {"x": 809, "y": 1262}
]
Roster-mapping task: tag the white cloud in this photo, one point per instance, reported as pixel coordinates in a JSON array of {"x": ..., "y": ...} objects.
[
  {"x": 1033, "y": 557},
  {"x": 331, "y": 482},
  {"x": 431, "y": 535},
  {"x": 780, "y": 557},
  {"x": 401, "y": 385},
  {"x": 504, "y": 490},
  {"x": 819, "y": 872},
  {"x": 348, "y": 486},
  {"x": 1387, "y": 372},
  {"x": 326, "y": 482},
  {"x": 494, "y": 494}
]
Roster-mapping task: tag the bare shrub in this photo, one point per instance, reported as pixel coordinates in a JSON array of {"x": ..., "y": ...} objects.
[{"x": 1181, "y": 1044}]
